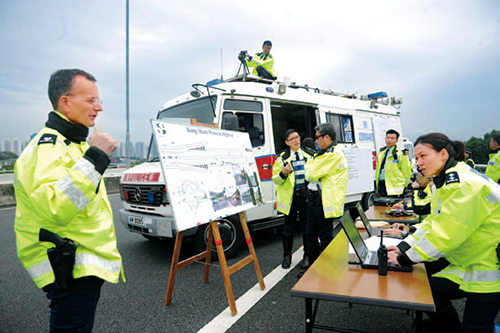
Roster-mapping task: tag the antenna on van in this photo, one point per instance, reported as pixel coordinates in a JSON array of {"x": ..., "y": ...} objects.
[{"x": 221, "y": 78}]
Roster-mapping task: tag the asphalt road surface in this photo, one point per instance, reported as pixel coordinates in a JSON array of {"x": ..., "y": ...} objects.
[{"x": 138, "y": 304}]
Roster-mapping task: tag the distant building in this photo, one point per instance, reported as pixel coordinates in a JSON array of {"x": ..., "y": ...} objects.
[
  {"x": 16, "y": 146},
  {"x": 139, "y": 149},
  {"x": 7, "y": 145}
]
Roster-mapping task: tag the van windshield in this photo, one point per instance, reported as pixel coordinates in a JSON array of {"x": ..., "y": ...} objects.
[{"x": 200, "y": 109}]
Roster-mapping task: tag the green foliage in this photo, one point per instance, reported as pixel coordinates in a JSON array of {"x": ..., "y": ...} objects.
[
  {"x": 7, "y": 155},
  {"x": 480, "y": 147}
]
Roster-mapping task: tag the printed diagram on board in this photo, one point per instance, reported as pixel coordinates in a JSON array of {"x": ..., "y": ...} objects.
[
  {"x": 209, "y": 173},
  {"x": 191, "y": 194}
]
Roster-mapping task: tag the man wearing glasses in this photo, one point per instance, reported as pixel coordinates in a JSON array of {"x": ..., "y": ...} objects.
[
  {"x": 291, "y": 192},
  {"x": 61, "y": 200},
  {"x": 327, "y": 175}
]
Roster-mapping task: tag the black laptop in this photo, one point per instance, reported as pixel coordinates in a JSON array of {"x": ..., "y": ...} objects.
[
  {"x": 372, "y": 231},
  {"x": 369, "y": 259}
]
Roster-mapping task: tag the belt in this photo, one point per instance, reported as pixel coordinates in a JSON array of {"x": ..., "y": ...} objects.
[{"x": 299, "y": 191}]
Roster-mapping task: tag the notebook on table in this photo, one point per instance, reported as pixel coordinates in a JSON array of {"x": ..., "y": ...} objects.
[{"x": 368, "y": 259}]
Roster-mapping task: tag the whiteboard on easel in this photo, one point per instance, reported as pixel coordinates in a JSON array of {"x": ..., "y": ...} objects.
[
  {"x": 209, "y": 173},
  {"x": 381, "y": 124}
]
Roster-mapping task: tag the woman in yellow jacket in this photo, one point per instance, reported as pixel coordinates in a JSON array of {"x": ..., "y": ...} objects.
[{"x": 464, "y": 228}]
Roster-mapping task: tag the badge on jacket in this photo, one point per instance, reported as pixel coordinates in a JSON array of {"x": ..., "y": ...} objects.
[
  {"x": 452, "y": 177},
  {"x": 48, "y": 138}
]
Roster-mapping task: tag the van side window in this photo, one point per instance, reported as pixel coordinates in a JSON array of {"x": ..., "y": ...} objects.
[
  {"x": 251, "y": 123},
  {"x": 343, "y": 127},
  {"x": 242, "y": 105}
]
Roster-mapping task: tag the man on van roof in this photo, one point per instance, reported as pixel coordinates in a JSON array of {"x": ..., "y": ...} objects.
[{"x": 262, "y": 62}]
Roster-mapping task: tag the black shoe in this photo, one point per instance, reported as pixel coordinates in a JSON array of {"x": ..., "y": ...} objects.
[
  {"x": 301, "y": 273},
  {"x": 287, "y": 261},
  {"x": 304, "y": 264}
]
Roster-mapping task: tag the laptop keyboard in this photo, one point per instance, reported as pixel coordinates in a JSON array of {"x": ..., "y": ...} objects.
[{"x": 371, "y": 258}]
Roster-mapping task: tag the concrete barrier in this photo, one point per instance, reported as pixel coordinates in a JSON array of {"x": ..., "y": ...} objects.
[{"x": 8, "y": 198}]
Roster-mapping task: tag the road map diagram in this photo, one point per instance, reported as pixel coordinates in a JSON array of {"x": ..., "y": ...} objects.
[{"x": 209, "y": 173}]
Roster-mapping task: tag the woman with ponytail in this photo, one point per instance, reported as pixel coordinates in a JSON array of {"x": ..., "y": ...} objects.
[{"x": 464, "y": 228}]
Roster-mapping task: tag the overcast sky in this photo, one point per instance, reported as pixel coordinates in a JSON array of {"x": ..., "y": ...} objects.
[{"x": 441, "y": 57}]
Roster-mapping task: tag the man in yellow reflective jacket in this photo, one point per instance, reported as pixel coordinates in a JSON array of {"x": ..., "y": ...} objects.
[
  {"x": 59, "y": 187},
  {"x": 262, "y": 62},
  {"x": 393, "y": 167},
  {"x": 327, "y": 174},
  {"x": 493, "y": 168},
  {"x": 291, "y": 192}
]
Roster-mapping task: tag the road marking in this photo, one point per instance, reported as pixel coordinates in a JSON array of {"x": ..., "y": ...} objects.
[{"x": 224, "y": 320}]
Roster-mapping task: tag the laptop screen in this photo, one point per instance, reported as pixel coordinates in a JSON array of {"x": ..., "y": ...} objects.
[
  {"x": 354, "y": 237},
  {"x": 364, "y": 219}
]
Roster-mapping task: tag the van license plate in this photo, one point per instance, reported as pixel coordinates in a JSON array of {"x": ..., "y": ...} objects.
[{"x": 136, "y": 221}]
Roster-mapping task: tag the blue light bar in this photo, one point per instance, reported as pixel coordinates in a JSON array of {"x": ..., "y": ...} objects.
[
  {"x": 214, "y": 82},
  {"x": 376, "y": 95}
]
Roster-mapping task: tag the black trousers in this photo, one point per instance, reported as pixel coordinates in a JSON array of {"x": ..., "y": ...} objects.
[
  {"x": 264, "y": 73},
  {"x": 74, "y": 310},
  {"x": 299, "y": 205},
  {"x": 317, "y": 225},
  {"x": 480, "y": 309}
]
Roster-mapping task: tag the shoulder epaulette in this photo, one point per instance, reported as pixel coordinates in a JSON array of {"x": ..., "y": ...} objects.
[
  {"x": 48, "y": 138},
  {"x": 285, "y": 154},
  {"x": 308, "y": 150},
  {"x": 452, "y": 177},
  {"x": 383, "y": 148}
]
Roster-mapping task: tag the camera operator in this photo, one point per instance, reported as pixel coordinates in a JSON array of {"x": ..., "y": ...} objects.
[{"x": 262, "y": 62}]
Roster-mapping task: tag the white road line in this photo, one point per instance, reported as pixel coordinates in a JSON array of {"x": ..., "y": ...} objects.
[{"x": 224, "y": 320}]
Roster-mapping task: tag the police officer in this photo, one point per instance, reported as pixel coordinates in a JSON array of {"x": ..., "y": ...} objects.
[
  {"x": 291, "y": 192},
  {"x": 393, "y": 168},
  {"x": 464, "y": 228},
  {"x": 262, "y": 62},
  {"x": 493, "y": 168},
  {"x": 59, "y": 187},
  {"x": 327, "y": 173},
  {"x": 468, "y": 158}
]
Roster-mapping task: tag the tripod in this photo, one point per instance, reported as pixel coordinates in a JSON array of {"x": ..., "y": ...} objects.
[{"x": 243, "y": 67}]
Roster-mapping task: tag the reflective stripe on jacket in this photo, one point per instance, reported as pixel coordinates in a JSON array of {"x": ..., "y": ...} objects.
[
  {"x": 464, "y": 228},
  {"x": 55, "y": 188},
  {"x": 493, "y": 167},
  {"x": 260, "y": 59},
  {"x": 330, "y": 168},
  {"x": 397, "y": 171},
  {"x": 285, "y": 186}
]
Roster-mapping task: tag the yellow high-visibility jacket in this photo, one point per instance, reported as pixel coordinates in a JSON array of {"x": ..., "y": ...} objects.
[
  {"x": 493, "y": 168},
  {"x": 59, "y": 187},
  {"x": 397, "y": 170},
  {"x": 261, "y": 59},
  {"x": 463, "y": 227},
  {"x": 285, "y": 186},
  {"x": 329, "y": 167}
]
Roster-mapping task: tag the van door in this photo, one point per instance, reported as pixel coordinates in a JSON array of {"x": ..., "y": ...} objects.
[{"x": 253, "y": 116}]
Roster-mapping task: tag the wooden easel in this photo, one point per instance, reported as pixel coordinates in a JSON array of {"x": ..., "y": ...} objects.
[{"x": 213, "y": 234}]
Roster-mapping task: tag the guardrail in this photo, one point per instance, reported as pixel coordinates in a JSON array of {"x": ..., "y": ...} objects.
[{"x": 8, "y": 198}]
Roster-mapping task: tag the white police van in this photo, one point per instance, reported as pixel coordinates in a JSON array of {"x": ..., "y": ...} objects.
[{"x": 265, "y": 110}]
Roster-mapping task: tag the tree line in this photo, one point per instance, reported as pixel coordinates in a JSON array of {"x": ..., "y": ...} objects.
[{"x": 480, "y": 147}]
